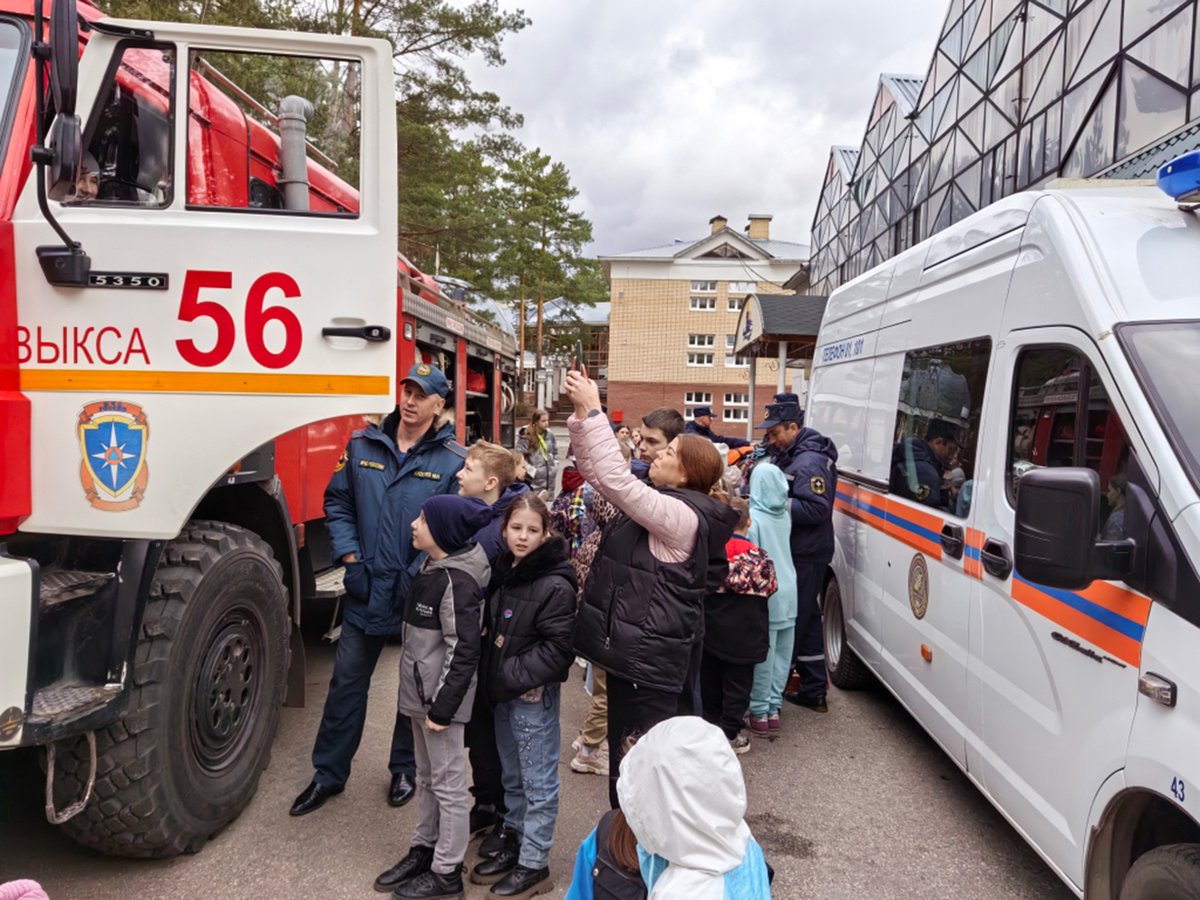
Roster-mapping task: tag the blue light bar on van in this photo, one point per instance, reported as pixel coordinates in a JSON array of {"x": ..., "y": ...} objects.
[{"x": 1180, "y": 178}]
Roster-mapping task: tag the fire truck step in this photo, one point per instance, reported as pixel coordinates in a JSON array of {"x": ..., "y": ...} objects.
[
  {"x": 329, "y": 584},
  {"x": 65, "y": 700},
  {"x": 59, "y": 586}
]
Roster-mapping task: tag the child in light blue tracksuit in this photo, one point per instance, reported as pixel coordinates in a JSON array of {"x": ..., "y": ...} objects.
[{"x": 771, "y": 529}]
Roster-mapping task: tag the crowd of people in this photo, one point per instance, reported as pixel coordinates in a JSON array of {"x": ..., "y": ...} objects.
[{"x": 688, "y": 585}]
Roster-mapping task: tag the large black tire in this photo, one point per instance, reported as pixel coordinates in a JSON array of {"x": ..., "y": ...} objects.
[
  {"x": 209, "y": 676},
  {"x": 845, "y": 669},
  {"x": 1171, "y": 872}
]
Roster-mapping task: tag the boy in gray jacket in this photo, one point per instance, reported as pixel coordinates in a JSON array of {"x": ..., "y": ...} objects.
[{"x": 438, "y": 665}]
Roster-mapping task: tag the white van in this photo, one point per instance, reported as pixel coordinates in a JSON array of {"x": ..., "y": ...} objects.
[{"x": 1016, "y": 407}]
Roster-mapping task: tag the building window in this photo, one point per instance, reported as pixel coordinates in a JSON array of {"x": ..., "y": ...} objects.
[
  {"x": 704, "y": 287},
  {"x": 736, "y": 304},
  {"x": 743, "y": 287},
  {"x": 739, "y": 361},
  {"x": 692, "y": 399},
  {"x": 737, "y": 407},
  {"x": 700, "y": 359},
  {"x": 701, "y": 341},
  {"x": 704, "y": 304}
]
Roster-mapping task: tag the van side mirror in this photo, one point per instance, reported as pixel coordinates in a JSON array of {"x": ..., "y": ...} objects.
[{"x": 1058, "y": 519}]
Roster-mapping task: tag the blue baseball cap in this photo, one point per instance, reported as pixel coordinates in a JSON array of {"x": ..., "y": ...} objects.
[
  {"x": 778, "y": 413},
  {"x": 700, "y": 411},
  {"x": 429, "y": 379}
]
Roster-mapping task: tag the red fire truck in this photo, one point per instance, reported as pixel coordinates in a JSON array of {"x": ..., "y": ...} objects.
[{"x": 200, "y": 300}]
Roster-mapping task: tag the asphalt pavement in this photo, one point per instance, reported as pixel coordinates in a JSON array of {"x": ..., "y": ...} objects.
[{"x": 855, "y": 803}]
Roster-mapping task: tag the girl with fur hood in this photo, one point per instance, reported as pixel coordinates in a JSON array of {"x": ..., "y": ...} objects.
[{"x": 528, "y": 654}]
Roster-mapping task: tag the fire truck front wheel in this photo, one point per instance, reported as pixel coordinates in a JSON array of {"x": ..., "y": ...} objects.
[{"x": 209, "y": 678}]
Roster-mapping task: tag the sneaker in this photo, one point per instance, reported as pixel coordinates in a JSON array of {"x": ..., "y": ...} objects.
[
  {"x": 577, "y": 744},
  {"x": 590, "y": 761},
  {"x": 740, "y": 744},
  {"x": 759, "y": 726},
  {"x": 773, "y": 724}
]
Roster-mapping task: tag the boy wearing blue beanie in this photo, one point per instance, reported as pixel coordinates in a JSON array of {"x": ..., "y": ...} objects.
[{"x": 438, "y": 665}]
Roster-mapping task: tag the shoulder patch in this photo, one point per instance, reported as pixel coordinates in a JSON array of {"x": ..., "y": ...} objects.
[
  {"x": 817, "y": 485},
  {"x": 455, "y": 447},
  {"x": 341, "y": 463}
]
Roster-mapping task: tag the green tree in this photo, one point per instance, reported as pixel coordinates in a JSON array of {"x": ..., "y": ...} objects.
[{"x": 541, "y": 251}]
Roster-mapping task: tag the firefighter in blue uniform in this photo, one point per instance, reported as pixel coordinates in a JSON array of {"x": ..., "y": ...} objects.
[
  {"x": 378, "y": 486},
  {"x": 809, "y": 461},
  {"x": 701, "y": 424}
]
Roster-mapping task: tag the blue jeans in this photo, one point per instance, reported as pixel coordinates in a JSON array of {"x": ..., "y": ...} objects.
[
  {"x": 771, "y": 675},
  {"x": 346, "y": 711},
  {"x": 528, "y": 737}
]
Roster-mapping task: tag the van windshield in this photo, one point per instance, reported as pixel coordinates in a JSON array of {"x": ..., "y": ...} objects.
[
  {"x": 1166, "y": 356},
  {"x": 12, "y": 59}
]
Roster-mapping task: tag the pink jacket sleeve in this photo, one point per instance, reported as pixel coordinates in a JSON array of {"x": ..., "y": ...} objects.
[{"x": 671, "y": 522}]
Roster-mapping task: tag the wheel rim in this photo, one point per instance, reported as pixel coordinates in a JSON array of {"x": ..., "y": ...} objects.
[
  {"x": 833, "y": 628},
  {"x": 227, "y": 689}
]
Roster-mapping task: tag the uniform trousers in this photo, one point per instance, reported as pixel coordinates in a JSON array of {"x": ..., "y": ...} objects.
[{"x": 809, "y": 648}]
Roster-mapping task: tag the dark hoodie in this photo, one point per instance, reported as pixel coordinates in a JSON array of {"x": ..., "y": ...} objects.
[
  {"x": 917, "y": 472},
  {"x": 490, "y": 537},
  {"x": 530, "y": 622},
  {"x": 810, "y": 466}
]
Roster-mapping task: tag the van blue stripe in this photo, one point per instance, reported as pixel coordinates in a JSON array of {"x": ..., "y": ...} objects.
[
  {"x": 972, "y": 552},
  {"x": 894, "y": 519},
  {"x": 1115, "y": 621}
]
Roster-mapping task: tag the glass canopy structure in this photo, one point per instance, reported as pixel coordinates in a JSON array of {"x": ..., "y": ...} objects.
[{"x": 1018, "y": 93}]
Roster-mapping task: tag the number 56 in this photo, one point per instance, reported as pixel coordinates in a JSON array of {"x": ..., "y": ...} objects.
[{"x": 191, "y": 308}]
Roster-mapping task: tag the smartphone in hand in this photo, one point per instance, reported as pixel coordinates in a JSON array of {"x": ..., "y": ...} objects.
[{"x": 578, "y": 364}]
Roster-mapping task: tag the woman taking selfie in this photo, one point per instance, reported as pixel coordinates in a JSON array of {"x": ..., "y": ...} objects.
[{"x": 642, "y": 610}]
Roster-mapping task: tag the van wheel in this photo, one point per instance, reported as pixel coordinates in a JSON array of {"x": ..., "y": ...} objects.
[
  {"x": 845, "y": 669},
  {"x": 1166, "y": 873},
  {"x": 209, "y": 676}
]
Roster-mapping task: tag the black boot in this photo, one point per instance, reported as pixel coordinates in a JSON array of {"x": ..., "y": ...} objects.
[
  {"x": 494, "y": 842},
  {"x": 431, "y": 886},
  {"x": 483, "y": 818},
  {"x": 524, "y": 882},
  {"x": 492, "y": 870},
  {"x": 418, "y": 860}
]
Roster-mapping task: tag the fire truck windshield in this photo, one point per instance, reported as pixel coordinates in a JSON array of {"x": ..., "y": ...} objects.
[
  {"x": 12, "y": 56},
  {"x": 1165, "y": 355}
]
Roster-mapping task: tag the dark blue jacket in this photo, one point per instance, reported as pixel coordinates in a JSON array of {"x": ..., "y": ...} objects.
[
  {"x": 810, "y": 465},
  {"x": 375, "y": 494},
  {"x": 731, "y": 442},
  {"x": 490, "y": 536},
  {"x": 917, "y": 473}
]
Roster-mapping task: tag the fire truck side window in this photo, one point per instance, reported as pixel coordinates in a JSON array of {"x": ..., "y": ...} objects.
[
  {"x": 1052, "y": 426},
  {"x": 128, "y": 157},
  {"x": 273, "y": 134}
]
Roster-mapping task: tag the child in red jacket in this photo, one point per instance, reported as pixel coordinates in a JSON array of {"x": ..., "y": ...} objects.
[{"x": 736, "y": 636}]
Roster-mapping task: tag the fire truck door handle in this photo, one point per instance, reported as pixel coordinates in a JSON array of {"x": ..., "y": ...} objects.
[
  {"x": 375, "y": 334},
  {"x": 996, "y": 558}
]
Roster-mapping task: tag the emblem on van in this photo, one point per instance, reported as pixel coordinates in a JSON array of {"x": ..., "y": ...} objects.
[
  {"x": 113, "y": 437},
  {"x": 918, "y": 586}
]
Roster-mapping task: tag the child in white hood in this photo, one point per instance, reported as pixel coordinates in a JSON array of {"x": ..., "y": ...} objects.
[{"x": 682, "y": 792}]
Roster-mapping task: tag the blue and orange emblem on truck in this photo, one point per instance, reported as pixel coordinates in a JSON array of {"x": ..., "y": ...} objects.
[{"x": 113, "y": 438}]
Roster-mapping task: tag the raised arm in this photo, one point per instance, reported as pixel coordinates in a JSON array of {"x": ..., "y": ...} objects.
[{"x": 671, "y": 522}]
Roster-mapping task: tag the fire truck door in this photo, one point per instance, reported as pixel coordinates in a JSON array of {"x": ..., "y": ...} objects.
[{"x": 238, "y": 286}]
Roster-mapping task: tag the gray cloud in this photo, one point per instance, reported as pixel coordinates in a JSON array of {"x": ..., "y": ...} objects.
[{"x": 667, "y": 113}]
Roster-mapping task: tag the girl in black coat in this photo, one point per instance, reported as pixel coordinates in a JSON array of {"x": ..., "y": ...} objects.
[{"x": 527, "y": 656}]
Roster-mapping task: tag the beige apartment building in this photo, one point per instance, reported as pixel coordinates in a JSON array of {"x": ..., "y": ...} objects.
[{"x": 673, "y": 320}]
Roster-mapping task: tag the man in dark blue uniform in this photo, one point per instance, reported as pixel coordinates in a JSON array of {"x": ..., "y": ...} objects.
[
  {"x": 386, "y": 473},
  {"x": 701, "y": 424},
  {"x": 808, "y": 460},
  {"x": 919, "y": 465}
]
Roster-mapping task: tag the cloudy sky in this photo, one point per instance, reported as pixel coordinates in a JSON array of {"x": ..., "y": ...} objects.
[{"x": 668, "y": 112}]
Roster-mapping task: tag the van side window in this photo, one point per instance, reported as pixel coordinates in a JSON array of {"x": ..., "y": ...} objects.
[
  {"x": 1062, "y": 417},
  {"x": 127, "y": 160},
  {"x": 272, "y": 133},
  {"x": 935, "y": 445}
]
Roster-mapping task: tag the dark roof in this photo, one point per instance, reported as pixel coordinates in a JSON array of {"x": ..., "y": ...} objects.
[
  {"x": 1147, "y": 163},
  {"x": 786, "y": 315}
]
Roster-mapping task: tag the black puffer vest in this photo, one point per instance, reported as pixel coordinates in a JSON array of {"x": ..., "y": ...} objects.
[{"x": 640, "y": 617}]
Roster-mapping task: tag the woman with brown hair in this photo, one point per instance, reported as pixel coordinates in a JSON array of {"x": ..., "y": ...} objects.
[
  {"x": 540, "y": 449},
  {"x": 642, "y": 610}
]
